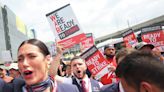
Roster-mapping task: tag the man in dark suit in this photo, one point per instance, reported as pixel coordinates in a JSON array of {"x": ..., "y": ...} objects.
[{"x": 79, "y": 68}]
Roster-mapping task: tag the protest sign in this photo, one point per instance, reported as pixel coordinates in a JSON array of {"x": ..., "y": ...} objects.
[
  {"x": 95, "y": 62},
  {"x": 153, "y": 35},
  {"x": 87, "y": 42},
  {"x": 65, "y": 26},
  {"x": 129, "y": 38}
]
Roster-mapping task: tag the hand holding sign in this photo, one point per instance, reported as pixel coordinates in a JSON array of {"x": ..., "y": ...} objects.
[
  {"x": 59, "y": 49},
  {"x": 111, "y": 68}
]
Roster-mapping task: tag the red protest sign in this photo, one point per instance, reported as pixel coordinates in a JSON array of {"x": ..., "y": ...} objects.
[
  {"x": 68, "y": 43},
  {"x": 154, "y": 37},
  {"x": 95, "y": 62},
  {"x": 88, "y": 41},
  {"x": 129, "y": 38}
]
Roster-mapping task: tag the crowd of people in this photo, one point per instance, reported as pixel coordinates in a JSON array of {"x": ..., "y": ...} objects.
[{"x": 138, "y": 69}]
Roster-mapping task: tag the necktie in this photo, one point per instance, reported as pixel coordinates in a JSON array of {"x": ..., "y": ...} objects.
[{"x": 83, "y": 85}]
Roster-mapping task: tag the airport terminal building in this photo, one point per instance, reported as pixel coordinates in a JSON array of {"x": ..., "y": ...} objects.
[{"x": 12, "y": 32}]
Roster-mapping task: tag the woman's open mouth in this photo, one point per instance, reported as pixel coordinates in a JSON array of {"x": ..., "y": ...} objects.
[{"x": 27, "y": 74}]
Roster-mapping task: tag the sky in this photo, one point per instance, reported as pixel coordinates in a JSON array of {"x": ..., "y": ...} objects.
[{"x": 100, "y": 17}]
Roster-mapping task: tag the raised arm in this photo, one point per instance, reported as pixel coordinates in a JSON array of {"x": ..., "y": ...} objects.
[{"x": 55, "y": 62}]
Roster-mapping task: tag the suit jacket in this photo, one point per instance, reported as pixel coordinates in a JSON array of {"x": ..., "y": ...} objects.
[
  {"x": 61, "y": 87},
  {"x": 110, "y": 88}
]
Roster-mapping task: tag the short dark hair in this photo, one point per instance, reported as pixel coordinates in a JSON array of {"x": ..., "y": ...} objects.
[
  {"x": 43, "y": 48},
  {"x": 141, "y": 66},
  {"x": 109, "y": 46},
  {"x": 74, "y": 58}
]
